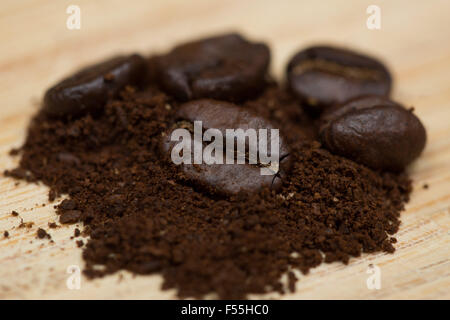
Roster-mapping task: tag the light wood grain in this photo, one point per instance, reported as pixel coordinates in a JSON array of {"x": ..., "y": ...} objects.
[{"x": 37, "y": 49}]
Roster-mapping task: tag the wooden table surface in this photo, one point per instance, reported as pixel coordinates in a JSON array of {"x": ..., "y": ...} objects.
[{"x": 37, "y": 49}]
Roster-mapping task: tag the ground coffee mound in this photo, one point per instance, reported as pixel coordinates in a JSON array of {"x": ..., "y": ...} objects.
[{"x": 143, "y": 216}]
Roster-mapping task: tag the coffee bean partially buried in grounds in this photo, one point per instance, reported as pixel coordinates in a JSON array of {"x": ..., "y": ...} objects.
[
  {"x": 380, "y": 135},
  {"x": 226, "y": 179},
  {"x": 226, "y": 67},
  {"x": 323, "y": 76},
  {"x": 87, "y": 90}
]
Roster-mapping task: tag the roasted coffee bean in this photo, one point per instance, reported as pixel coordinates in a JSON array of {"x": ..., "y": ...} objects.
[
  {"x": 223, "y": 115},
  {"x": 379, "y": 134},
  {"x": 361, "y": 102},
  {"x": 226, "y": 67},
  {"x": 323, "y": 76},
  {"x": 227, "y": 178},
  {"x": 88, "y": 89}
]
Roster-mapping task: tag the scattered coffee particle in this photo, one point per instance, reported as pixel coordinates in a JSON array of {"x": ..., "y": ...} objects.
[
  {"x": 27, "y": 225},
  {"x": 77, "y": 232},
  {"x": 142, "y": 216},
  {"x": 52, "y": 225},
  {"x": 52, "y": 195},
  {"x": 41, "y": 234},
  {"x": 20, "y": 173},
  {"x": 69, "y": 217},
  {"x": 6, "y": 234},
  {"x": 14, "y": 152},
  {"x": 67, "y": 204},
  {"x": 14, "y": 213},
  {"x": 426, "y": 186}
]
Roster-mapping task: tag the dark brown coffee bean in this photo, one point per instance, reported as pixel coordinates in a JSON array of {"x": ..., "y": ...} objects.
[
  {"x": 382, "y": 136},
  {"x": 361, "y": 102},
  {"x": 223, "y": 115},
  {"x": 88, "y": 89},
  {"x": 227, "y": 178},
  {"x": 323, "y": 76},
  {"x": 226, "y": 67}
]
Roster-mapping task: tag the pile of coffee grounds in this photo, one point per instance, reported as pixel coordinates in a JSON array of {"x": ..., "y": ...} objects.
[{"x": 143, "y": 216}]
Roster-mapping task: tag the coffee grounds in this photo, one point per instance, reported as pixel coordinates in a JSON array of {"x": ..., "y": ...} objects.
[{"x": 142, "y": 215}]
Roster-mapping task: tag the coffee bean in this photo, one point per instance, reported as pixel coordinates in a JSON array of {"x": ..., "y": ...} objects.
[
  {"x": 376, "y": 132},
  {"x": 88, "y": 89},
  {"x": 226, "y": 67},
  {"x": 358, "y": 103},
  {"x": 323, "y": 76},
  {"x": 227, "y": 178}
]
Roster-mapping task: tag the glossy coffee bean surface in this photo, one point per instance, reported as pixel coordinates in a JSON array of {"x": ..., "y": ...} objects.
[
  {"x": 226, "y": 67},
  {"x": 383, "y": 136},
  {"x": 88, "y": 90},
  {"x": 323, "y": 76},
  {"x": 224, "y": 178},
  {"x": 358, "y": 103}
]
